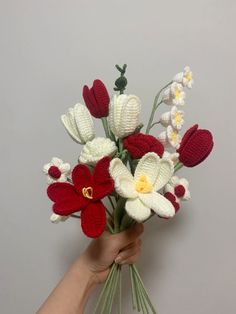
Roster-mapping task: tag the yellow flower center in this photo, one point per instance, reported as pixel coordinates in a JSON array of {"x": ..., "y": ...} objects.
[
  {"x": 178, "y": 118},
  {"x": 173, "y": 136},
  {"x": 142, "y": 185},
  {"x": 188, "y": 76},
  {"x": 177, "y": 94},
  {"x": 88, "y": 192}
]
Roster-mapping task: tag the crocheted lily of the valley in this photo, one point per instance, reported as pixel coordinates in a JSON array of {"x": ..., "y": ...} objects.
[{"x": 126, "y": 175}]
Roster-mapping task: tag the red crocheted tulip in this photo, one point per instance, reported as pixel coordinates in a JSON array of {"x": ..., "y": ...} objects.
[
  {"x": 84, "y": 195},
  {"x": 97, "y": 99},
  {"x": 195, "y": 146},
  {"x": 139, "y": 144}
]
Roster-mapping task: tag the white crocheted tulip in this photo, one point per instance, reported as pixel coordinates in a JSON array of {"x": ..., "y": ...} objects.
[
  {"x": 173, "y": 183},
  {"x": 79, "y": 124},
  {"x": 170, "y": 137},
  {"x": 174, "y": 95},
  {"x": 185, "y": 77},
  {"x": 96, "y": 149},
  {"x": 58, "y": 218},
  {"x": 124, "y": 114},
  {"x": 173, "y": 117},
  {"x": 56, "y": 170},
  {"x": 141, "y": 190}
]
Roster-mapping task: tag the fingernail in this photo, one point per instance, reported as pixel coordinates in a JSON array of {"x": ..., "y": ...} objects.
[{"x": 118, "y": 260}]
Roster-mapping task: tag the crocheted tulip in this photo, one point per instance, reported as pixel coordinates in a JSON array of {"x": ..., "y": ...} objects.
[
  {"x": 84, "y": 194},
  {"x": 139, "y": 144},
  {"x": 124, "y": 114},
  {"x": 97, "y": 99},
  {"x": 141, "y": 189},
  {"x": 79, "y": 124},
  {"x": 195, "y": 146}
]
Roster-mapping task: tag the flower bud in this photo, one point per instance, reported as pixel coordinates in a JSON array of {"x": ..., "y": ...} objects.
[
  {"x": 195, "y": 146},
  {"x": 124, "y": 114},
  {"x": 97, "y": 99}
]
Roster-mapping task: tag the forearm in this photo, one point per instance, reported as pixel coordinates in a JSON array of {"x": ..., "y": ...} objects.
[{"x": 71, "y": 294}]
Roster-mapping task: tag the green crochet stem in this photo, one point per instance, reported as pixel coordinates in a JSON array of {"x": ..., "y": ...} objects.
[
  {"x": 156, "y": 104},
  {"x": 178, "y": 166}
]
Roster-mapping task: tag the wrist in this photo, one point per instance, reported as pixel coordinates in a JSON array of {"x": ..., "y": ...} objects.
[{"x": 81, "y": 269}]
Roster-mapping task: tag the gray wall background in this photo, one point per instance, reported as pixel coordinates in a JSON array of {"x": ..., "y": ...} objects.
[{"x": 48, "y": 50}]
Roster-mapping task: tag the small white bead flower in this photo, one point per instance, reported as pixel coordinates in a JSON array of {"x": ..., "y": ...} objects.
[
  {"x": 141, "y": 189},
  {"x": 56, "y": 170},
  {"x": 185, "y": 77},
  {"x": 174, "y": 95},
  {"x": 58, "y": 218},
  {"x": 78, "y": 123},
  {"x": 96, "y": 149},
  {"x": 124, "y": 114},
  {"x": 173, "y": 117},
  {"x": 170, "y": 137},
  {"x": 178, "y": 187}
]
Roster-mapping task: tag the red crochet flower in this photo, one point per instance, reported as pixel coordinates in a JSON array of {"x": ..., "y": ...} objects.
[
  {"x": 139, "y": 144},
  {"x": 97, "y": 99},
  {"x": 195, "y": 146},
  {"x": 84, "y": 195}
]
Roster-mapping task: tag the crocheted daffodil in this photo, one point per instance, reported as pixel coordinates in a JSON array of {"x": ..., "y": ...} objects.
[{"x": 151, "y": 174}]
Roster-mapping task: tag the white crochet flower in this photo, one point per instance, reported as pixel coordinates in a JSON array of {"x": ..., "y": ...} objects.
[
  {"x": 56, "y": 170},
  {"x": 79, "y": 124},
  {"x": 178, "y": 187},
  {"x": 173, "y": 117},
  {"x": 96, "y": 149},
  {"x": 174, "y": 95},
  {"x": 174, "y": 157},
  {"x": 151, "y": 174},
  {"x": 58, "y": 218},
  {"x": 124, "y": 114},
  {"x": 170, "y": 137},
  {"x": 185, "y": 77}
]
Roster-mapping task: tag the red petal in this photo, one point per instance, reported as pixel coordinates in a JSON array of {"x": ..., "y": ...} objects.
[
  {"x": 102, "y": 97},
  {"x": 82, "y": 177},
  {"x": 90, "y": 101},
  {"x": 93, "y": 219},
  {"x": 101, "y": 170},
  {"x": 102, "y": 190},
  {"x": 59, "y": 191},
  {"x": 187, "y": 136},
  {"x": 103, "y": 183},
  {"x": 70, "y": 205}
]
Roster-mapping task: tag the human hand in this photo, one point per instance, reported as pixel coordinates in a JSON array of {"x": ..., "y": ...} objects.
[{"x": 123, "y": 248}]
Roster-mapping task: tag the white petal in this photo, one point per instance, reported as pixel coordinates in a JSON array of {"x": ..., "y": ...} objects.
[
  {"x": 65, "y": 168},
  {"x": 166, "y": 170},
  {"x": 56, "y": 161},
  {"x": 148, "y": 166},
  {"x": 158, "y": 203},
  {"x": 84, "y": 123},
  {"x": 165, "y": 118},
  {"x": 137, "y": 210},
  {"x": 118, "y": 169},
  {"x": 174, "y": 180},
  {"x": 57, "y": 218},
  {"x": 70, "y": 127},
  {"x": 169, "y": 188},
  {"x": 125, "y": 187},
  {"x": 46, "y": 168},
  {"x": 163, "y": 138}
]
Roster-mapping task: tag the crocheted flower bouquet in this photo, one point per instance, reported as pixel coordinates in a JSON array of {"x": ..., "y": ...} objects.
[{"x": 134, "y": 170}]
